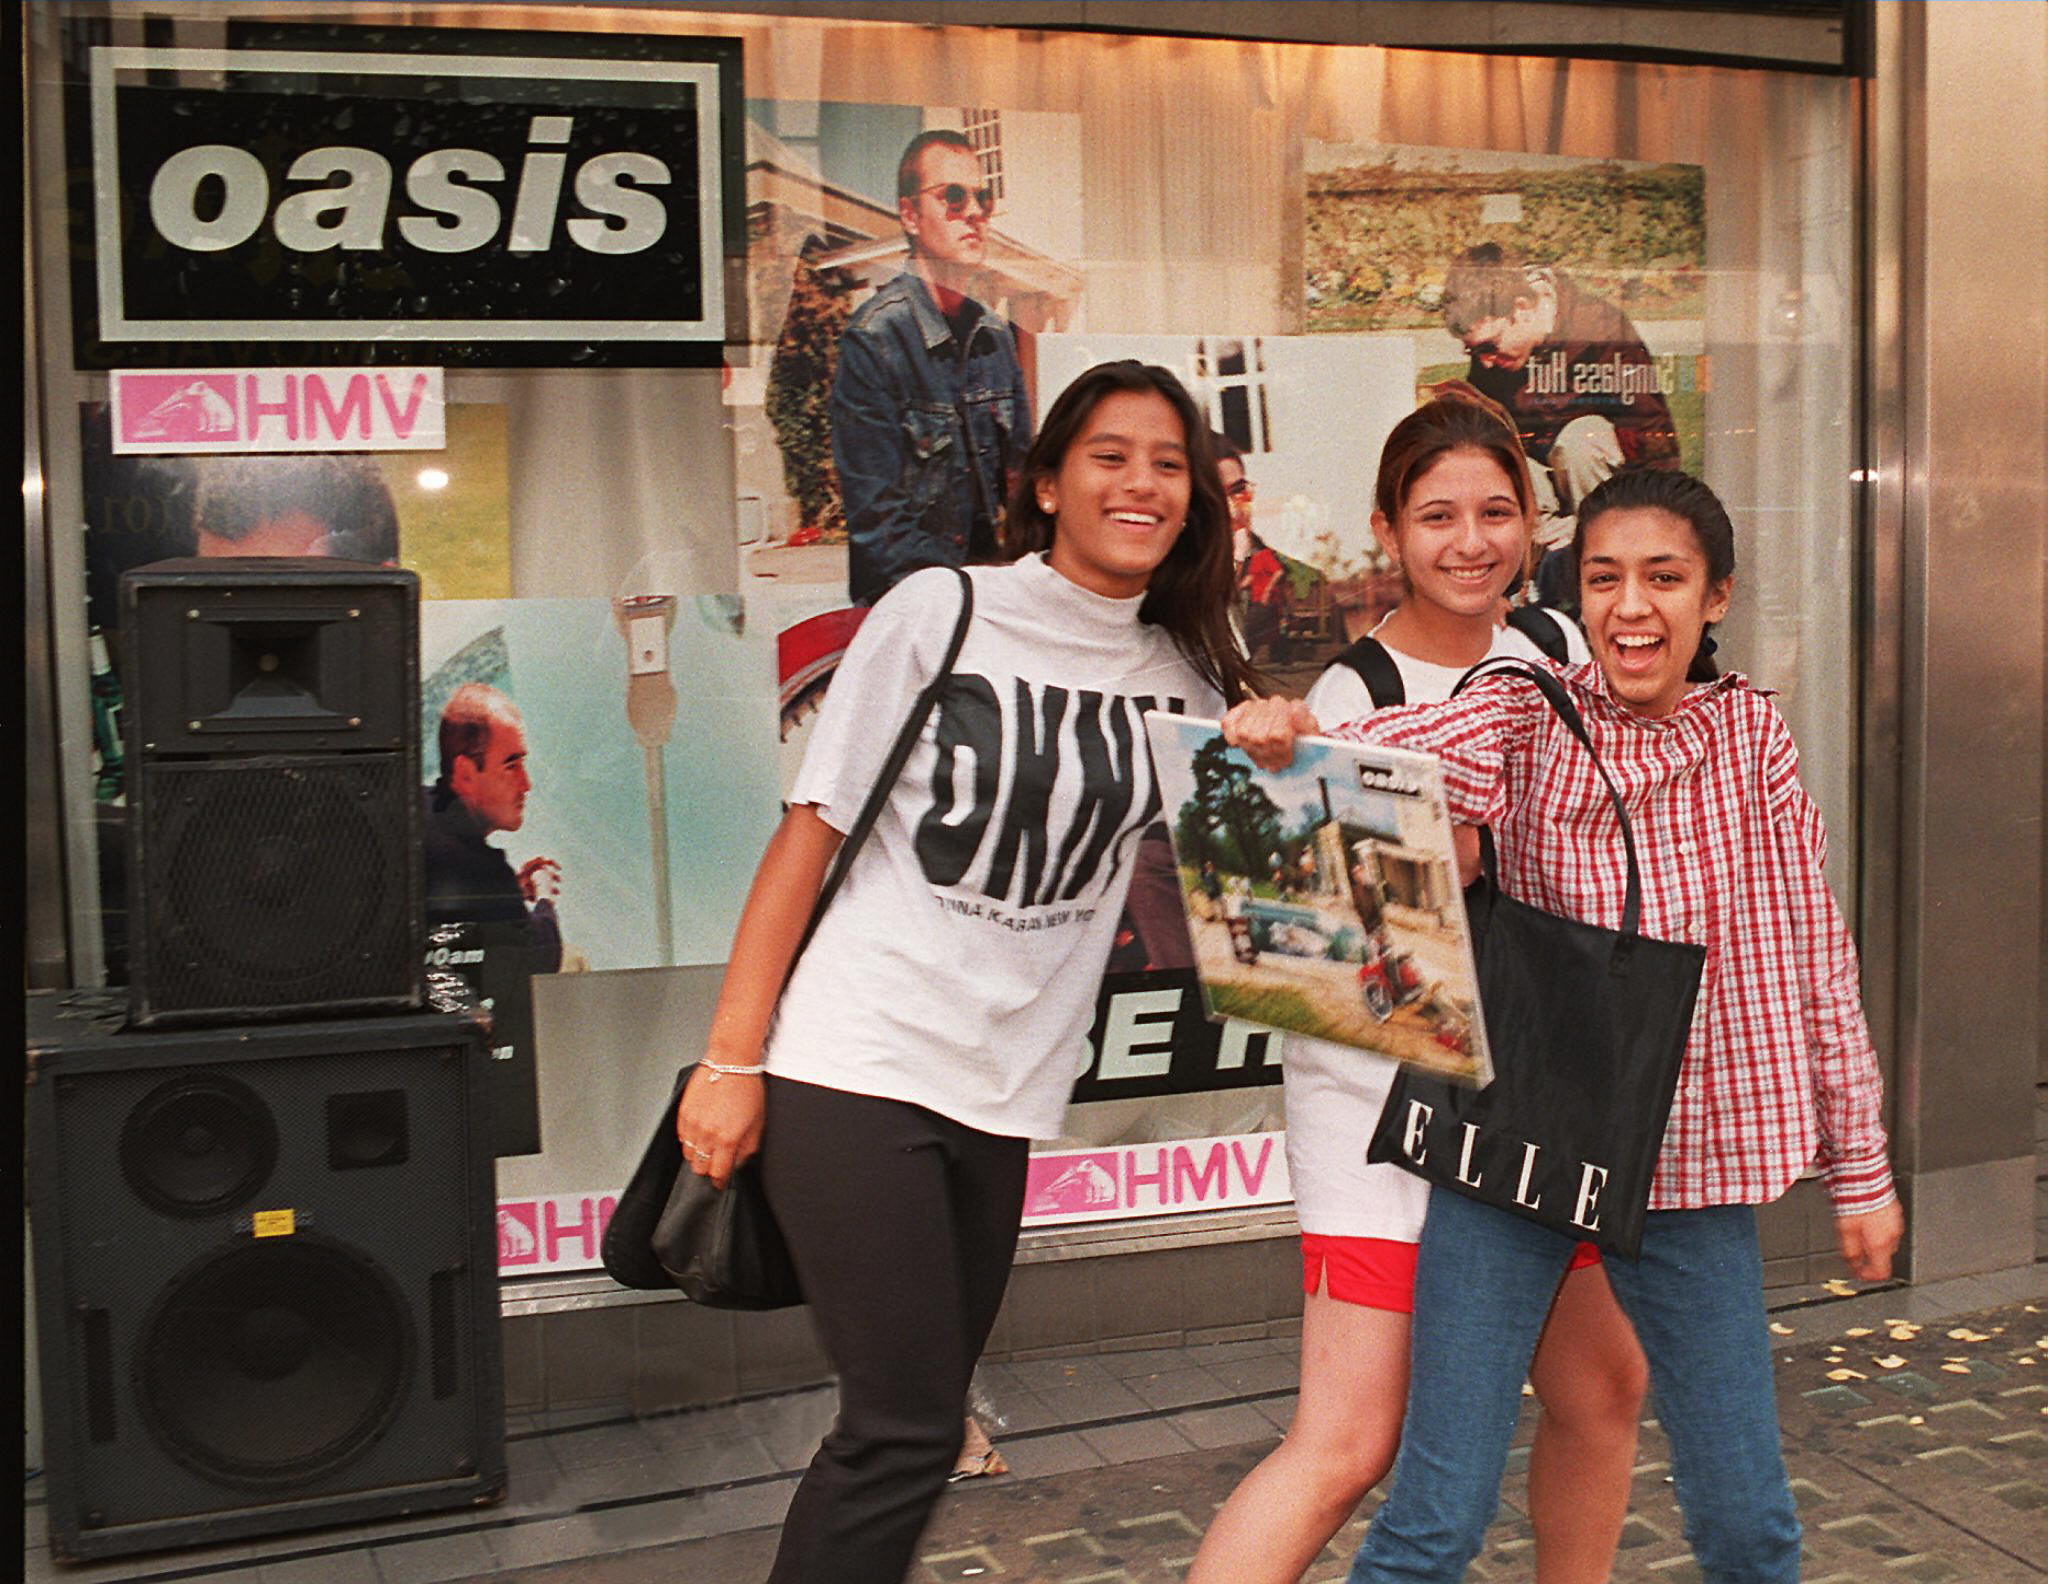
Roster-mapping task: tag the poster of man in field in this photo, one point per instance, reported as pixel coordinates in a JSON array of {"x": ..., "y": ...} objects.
[{"x": 1570, "y": 291}]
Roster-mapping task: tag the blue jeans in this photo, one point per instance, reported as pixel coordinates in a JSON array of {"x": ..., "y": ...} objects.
[{"x": 1484, "y": 1284}]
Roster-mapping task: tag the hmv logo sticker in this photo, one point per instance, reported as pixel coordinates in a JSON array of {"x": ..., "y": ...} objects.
[
  {"x": 410, "y": 196},
  {"x": 556, "y": 1232},
  {"x": 313, "y": 409},
  {"x": 1173, "y": 1178}
]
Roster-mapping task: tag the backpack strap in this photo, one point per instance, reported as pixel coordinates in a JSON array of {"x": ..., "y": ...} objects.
[
  {"x": 1368, "y": 657},
  {"x": 1544, "y": 628}
]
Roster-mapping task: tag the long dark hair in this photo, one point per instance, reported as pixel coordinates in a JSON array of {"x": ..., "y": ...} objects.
[
  {"x": 1687, "y": 499},
  {"x": 1189, "y": 592}
]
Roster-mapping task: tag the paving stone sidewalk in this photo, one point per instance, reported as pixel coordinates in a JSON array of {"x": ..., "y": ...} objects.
[
  {"x": 1919, "y": 1455},
  {"x": 1915, "y": 1422}
]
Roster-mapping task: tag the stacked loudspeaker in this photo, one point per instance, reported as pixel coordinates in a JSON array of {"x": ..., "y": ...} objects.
[{"x": 262, "y": 1188}]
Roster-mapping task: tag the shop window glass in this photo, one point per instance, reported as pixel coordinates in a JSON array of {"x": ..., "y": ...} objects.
[{"x": 1275, "y": 221}]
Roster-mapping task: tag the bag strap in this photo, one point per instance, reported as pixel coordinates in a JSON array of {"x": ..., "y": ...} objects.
[
  {"x": 1544, "y": 628},
  {"x": 892, "y": 767},
  {"x": 1376, "y": 669},
  {"x": 1560, "y": 702}
]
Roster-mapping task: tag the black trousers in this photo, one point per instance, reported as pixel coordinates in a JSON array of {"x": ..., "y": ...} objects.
[{"x": 903, "y": 1225}]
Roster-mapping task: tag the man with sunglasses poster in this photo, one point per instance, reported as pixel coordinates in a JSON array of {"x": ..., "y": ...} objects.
[
  {"x": 930, "y": 418},
  {"x": 1575, "y": 375}
]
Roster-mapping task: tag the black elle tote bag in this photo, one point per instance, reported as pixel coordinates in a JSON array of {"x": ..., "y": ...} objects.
[{"x": 1587, "y": 1027}]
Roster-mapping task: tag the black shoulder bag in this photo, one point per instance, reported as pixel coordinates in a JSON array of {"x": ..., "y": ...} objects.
[
  {"x": 671, "y": 1227},
  {"x": 1587, "y": 1028}
]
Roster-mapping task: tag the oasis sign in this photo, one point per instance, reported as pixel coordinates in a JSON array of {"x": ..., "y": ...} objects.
[{"x": 416, "y": 204}]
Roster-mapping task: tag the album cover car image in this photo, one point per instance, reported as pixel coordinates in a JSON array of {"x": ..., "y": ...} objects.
[{"x": 1324, "y": 899}]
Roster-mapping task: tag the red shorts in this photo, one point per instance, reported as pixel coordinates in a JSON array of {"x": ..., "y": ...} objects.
[{"x": 1377, "y": 1273}]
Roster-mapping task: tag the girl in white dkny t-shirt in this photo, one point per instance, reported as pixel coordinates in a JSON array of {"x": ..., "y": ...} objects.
[
  {"x": 938, "y": 1019},
  {"x": 1455, "y": 511}
]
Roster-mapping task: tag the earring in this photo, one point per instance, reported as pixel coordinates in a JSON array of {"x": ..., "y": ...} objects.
[{"x": 1045, "y": 504}]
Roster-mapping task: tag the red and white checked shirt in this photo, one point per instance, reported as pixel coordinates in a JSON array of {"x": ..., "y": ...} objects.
[{"x": 1779, "y": 1072}]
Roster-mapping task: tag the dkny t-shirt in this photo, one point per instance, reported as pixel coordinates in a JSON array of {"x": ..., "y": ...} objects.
[{"x": 958, "y": 967}]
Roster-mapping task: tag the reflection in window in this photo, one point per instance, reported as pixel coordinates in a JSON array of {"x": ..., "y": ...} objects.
[
  {"x": 1230, "y": 386},
  {"x": 984, "y": 130}
]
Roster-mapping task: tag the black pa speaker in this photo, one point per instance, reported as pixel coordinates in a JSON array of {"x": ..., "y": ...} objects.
[
  {"x": 273, "y": 789},
  {"x": 266, "y": 1274}
]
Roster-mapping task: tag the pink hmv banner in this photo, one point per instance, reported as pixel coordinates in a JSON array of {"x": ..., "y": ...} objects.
[
  {"x": 1169, "y": 1177},
  {"x": 211, "y": 411},
  {"x": 564, "y": 1232}
]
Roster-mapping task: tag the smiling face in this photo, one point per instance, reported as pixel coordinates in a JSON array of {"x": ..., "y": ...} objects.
[
  {"x": 1645, "y": 597},
  {"x": 1120, "y": 496},
  {"x": 950, "y": 236},
  {"x": 1461, "y": 535}
]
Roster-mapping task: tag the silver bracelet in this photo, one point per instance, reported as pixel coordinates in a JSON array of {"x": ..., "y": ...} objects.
[{"x": 730, "y": 1069}]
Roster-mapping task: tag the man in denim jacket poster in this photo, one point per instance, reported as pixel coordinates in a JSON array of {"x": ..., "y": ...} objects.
[{"x": 930, "y": 418}]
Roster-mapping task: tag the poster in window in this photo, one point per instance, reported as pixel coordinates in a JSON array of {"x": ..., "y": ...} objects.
[
  {"x": 1571, "y": 291},
  {"x": 599, "y": 773},
  {"x": 903, "y": 260}
]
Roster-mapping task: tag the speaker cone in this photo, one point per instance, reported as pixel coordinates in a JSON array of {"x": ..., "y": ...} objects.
[
  {"x": 198, "y": 1144},
  {"x": 275, "y": 1363}
]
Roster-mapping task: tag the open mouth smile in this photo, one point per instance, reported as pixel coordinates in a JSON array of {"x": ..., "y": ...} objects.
[{"x": 1637, "y": 651}]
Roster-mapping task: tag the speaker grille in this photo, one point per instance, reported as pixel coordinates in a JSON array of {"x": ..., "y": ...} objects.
[
  {"x": 202, "y": 1382},
  {"x": 276, "y": 885},
  {"x": 198, "y": 1144},
  {"x": 275, "y": 1363}
]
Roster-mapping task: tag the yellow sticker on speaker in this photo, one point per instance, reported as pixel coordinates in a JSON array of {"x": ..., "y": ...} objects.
[{"x": 273, "y": 1223}]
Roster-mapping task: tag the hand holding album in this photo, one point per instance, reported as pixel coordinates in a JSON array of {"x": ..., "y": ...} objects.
[{"x": 1322, "y": 882}]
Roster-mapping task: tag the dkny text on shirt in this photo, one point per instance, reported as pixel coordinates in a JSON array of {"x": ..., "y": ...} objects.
[{"x": 1027, "y": 802}]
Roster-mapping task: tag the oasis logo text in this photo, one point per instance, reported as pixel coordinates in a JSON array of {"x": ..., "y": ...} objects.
[{"x": 453, "y": 206}]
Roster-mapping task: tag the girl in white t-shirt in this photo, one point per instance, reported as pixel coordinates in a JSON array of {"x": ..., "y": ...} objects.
[
  {"x": 939, "y": 1017},
  {"x": 1454, "y": 511}
]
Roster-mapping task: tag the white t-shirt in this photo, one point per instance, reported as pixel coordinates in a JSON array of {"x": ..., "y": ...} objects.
[
  {"x": 1335, "y": 1092},
  {"x": 958, "y": 967},
  {"x": 1340, "y": 693}
]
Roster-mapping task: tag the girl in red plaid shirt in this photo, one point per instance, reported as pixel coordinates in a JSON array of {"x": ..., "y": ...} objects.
[{"x": 1778, "y": 1075}]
